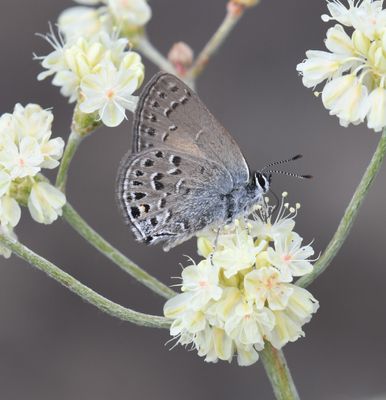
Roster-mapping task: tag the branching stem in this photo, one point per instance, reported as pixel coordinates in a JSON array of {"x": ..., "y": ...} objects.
[{"x": 87, "y": 294}]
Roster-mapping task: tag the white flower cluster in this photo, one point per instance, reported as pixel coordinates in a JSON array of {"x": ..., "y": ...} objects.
[
  {"x": 355, "y": 65},
  {"x": 127, "y": 16},
  {"x": 26, "y": 148},
  {"x": 241, "y": 294},
  {"x": 98, "y": 72}
]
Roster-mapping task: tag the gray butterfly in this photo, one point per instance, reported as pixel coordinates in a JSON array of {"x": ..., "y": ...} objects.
[{"x": 185, "y": 171}]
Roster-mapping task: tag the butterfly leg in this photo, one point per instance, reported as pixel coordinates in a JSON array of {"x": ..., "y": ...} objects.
[
  {"x": 215, "y": 243},
  {"x": 247, "y": 225}
]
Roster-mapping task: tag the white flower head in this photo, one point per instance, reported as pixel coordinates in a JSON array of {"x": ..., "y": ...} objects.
[
  {"x": 75, "y": 22},
  {"x": 26, "y": 144},
  {"x": 355, "y": 66},
  {"x": 128, "y": 17},
  {"x": 76, "y": 64},
  {"x": 26, "y": 147},
  {"x": 33, "y": 121},
  {"x": 241, "y": 294}
]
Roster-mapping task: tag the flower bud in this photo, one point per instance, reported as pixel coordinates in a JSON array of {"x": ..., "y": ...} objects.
[
  {"x": 361, "y": 42},
  {"x": 130, "y": 13},
  {"x": 45, "y": 202},
  {"x": 6, "y": 231},
  {"x": 181, "y": 56},
  {"x": 246, "y": 3},
  {"x": 9, "y": 211},
  {"x": 83, "y": 123},
  {"x": 79, "y": 21}
]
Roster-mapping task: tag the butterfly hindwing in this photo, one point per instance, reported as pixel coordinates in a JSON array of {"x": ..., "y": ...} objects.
[
  {"x": 169, "y": 114},
  {"x": 169, "y": 196}
]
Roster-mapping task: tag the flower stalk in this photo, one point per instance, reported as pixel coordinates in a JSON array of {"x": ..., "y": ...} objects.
[
  {"x": 279, "y": 375},
  {"x": 96, "y": 240},
  {"x": 73, "y": 143},
  {"x": 87, "y": 294},
  {"x": 350, "y": 214},
  {"x": 233, "y": 16},
  {"x": 149, "y": 51}
]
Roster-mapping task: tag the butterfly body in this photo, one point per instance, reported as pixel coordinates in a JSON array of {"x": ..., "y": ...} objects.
[{"x": 185, "y": 172}]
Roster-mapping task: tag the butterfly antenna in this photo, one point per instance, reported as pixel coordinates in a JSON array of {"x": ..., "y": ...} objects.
[
  {"x": 283, "y": 161},
  {"x": 290, "y": 174}
]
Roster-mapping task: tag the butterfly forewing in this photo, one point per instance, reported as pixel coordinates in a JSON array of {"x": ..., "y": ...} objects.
[
  {"x": 168, "y": 196},
  {"x": 169, "y": 114}
]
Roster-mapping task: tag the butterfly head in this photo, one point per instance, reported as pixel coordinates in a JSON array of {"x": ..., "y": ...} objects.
[{"x": 262, "y": 181}]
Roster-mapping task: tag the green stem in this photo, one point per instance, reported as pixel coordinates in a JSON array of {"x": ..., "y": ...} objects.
[
  {"x": 278, "y": 373},
  {"x": 219, "y": 37},
  {"x": 87, "y": 294},
  {"x": 349, "y": 216},
  {"x": 148, "y": 50},
  {"x": 73, "y": 143},
  {"x": 81, "y": 226}
]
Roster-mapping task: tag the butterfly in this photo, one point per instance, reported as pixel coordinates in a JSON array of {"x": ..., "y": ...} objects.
[{"x": 185, "y": 171}]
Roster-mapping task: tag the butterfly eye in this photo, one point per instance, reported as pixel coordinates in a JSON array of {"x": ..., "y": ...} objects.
[{"x": 261, "y": 181}]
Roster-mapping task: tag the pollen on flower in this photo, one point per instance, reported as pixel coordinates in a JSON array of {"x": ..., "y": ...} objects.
[{"x": 242, "y": 293}]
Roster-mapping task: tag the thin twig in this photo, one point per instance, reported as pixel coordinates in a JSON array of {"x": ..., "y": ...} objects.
[
  {"x": 279, "y": 375},
  {"x": 87, "y": 294},
  {"x": 72, "y": 145},
  {"x": 149, "y": 51},
  {"x": 230, "y": 21},
  {"x": 96, "y": 240}
]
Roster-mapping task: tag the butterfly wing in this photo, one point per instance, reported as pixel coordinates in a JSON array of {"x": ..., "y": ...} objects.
[
  {"x": 170, "y": 114},
  {"x": 169, "y": 196}
]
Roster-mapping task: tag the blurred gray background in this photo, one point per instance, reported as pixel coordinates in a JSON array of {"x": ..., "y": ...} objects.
[{"x": 55, "y": 346}]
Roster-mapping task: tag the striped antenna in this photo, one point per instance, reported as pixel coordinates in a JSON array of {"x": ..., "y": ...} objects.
[
  {"x": 291, "y": 174},
  {"x": 283, "y": 161}
]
